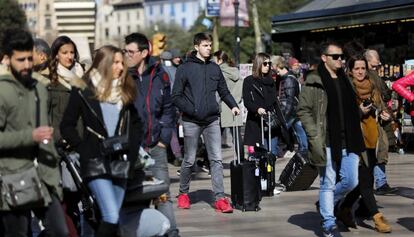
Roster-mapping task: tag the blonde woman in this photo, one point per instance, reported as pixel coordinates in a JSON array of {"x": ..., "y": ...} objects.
[{"x": 107, "y": 111}]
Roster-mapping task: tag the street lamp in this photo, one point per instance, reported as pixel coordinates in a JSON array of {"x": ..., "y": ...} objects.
[{"x": 236, "y": 4}]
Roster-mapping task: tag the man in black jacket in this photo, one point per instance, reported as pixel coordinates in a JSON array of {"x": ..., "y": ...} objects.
[
  {"x": 194, "y": 93},
  {"x": 154, "y": 106}
]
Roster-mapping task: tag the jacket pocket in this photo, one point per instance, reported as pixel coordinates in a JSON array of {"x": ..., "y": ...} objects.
[{"x": 317, "y": 151}]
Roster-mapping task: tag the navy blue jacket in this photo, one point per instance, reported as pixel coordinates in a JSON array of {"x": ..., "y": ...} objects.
[
  {"x": 194, "y": 91},
  {"x": 154, "y": 105}
]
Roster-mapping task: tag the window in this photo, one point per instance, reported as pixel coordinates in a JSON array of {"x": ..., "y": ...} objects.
[
  {"x": 172, "y": 10},
  {"x": 106, "y": 32},
  {"x": 183, "y": 21},
  {"x": 119, "y": 30},
  {"x": 106, "y": 18},
  {"x": 128, "y": 29},
  {"x": 150, "y": 9},
  {"x": 48, "y": 23},
  {"x": 137, "y": 15},
  {"x": 47, "y": 7},
  {"x": 119, "y": 16},
  {"x": 183, "y": 7},
  {"x": 161, "y": 9},
  {"x": 127, "y": 16}
]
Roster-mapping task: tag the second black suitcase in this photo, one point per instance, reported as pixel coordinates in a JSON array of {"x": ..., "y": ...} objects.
[{"x": 298, "y": 174}]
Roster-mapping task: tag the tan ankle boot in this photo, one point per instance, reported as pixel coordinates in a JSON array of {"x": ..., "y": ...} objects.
[{"x": 381, "y": 224}]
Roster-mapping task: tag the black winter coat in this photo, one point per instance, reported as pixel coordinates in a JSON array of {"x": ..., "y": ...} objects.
[
  {"x": 154, "y": 104},
  {"x": 289, "y": 96},
  {"x": 194, "y": 91},
  {"x": 89, "y": 147},
  {"x": 257, "y": 93}
]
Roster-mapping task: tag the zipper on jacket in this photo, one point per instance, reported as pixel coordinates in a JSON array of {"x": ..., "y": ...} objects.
[
  {"x": 148, "y": 104},
  {"x": 95, "y": 133}
]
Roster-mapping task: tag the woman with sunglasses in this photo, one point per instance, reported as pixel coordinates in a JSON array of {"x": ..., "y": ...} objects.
[
  {"x": 373, "y": 118},
  {"x": 108, "y": 113},
  {"x": 259, "y": 97}
]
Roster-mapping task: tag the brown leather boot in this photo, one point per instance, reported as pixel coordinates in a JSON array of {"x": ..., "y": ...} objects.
[{"x": 381, "y": 224}]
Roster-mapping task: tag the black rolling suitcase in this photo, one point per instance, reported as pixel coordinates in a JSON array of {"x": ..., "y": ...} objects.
[
  {"x": 267, "y": 163},
  {"x": 244, "y": 180},
  {"x": 298, "y": 174}
]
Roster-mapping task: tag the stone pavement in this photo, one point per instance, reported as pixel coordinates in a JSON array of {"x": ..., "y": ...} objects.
[{"x": 290, "y": 213}]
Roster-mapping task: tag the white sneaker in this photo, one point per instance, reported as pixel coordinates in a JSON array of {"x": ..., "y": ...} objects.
[{"x": 276, "y": 192}]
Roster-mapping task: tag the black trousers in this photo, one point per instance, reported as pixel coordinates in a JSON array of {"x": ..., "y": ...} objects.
[
  {"x": 17, "y": 223},
  {"x": 365, "y": 185}
]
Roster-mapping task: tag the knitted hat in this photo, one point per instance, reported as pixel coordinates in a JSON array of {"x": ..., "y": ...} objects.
[
  {"x": 292, "y": 61},
  {"x": 166, "y": 55}
]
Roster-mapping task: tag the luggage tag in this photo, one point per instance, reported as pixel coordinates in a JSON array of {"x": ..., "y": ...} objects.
[
  {"x": 257, "y": 172},
  {"x": 269, "y": 168},
  {"x": 180, "y": 131}
]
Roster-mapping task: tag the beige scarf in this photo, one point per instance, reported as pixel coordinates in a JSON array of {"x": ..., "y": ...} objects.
[
  {"x": 115, "y": 95},
  {"x": 66, "y": 76}
]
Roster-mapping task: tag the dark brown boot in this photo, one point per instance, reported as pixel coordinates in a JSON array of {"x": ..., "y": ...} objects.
[{"x": 344, "y": 214}]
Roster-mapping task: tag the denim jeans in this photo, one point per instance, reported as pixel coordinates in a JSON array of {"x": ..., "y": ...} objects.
[
  {"x": 160, "y": 171},
  {"x": 212, "y": 138},
  {"x": 109, "y": 195},
  {"x": 301, "y": 136},
  {"x": 379, "y": 175},
  {"x": 331, "y": 191}
]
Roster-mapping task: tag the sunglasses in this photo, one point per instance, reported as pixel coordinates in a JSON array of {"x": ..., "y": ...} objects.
[
  {"x": 267, "y": 64},
  {"x": 335, "y": 56}
]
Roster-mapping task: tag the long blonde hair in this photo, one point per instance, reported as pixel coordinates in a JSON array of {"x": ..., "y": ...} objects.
[{"x": 102, "y": 62}]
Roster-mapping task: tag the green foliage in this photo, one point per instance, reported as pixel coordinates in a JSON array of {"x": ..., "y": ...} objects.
[
  {"x": 266, "y": 9},
  {"x": 11, "y": 16}
]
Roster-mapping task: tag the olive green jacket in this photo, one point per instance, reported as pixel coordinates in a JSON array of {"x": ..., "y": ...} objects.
[
  {"x": 17, "y": 121},
  {"x": 312, "y": 108}
]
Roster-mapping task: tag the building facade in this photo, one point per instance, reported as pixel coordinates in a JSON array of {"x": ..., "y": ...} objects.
[
  {"x": 118, "y": 18},
  {"x": 181, "y": 12},
  {"x": 41, "y": 19},
  {"x": 76, "y": 19}
]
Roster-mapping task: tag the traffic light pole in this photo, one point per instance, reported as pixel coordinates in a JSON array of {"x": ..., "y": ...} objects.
[{"x": 236, "y": 4}]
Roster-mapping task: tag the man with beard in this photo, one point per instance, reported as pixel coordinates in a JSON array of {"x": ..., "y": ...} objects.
[{"x": 26, "y": 140}]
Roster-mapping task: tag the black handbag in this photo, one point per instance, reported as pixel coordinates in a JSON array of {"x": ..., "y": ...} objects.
[{"x": 275, "y": 122}]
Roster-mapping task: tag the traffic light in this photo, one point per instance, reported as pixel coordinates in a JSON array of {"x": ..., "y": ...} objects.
[{"x": 159, "y": 42}]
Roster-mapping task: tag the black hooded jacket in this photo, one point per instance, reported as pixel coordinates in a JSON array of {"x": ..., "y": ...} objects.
[{"x": 194, "y": 91}]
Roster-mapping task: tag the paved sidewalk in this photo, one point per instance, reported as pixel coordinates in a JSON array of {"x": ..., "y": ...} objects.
[{"x": 290, "y": 213}]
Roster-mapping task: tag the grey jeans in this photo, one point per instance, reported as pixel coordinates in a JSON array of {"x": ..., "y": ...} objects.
[
  {"x": 212, "y": 138},
  {"x": 160, "y": 171}
]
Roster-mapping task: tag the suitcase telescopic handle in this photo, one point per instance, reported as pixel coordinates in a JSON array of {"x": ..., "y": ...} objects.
[{"x": 236, "y": 140}]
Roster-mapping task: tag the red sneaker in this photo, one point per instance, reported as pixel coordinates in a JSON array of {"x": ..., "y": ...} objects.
[
  {"x": 183, "y": 201},
  {"x": 223, "y": 205}
]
